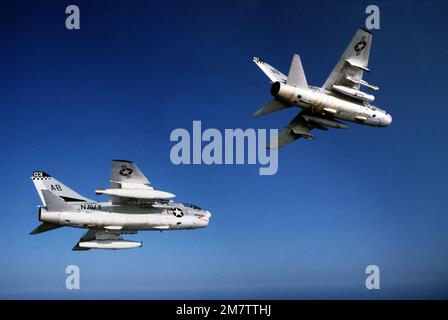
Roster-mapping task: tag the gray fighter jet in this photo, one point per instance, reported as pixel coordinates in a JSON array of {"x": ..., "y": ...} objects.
[
  {"x": 340, "y": 98},
  {"x": 133, "y": 206}
]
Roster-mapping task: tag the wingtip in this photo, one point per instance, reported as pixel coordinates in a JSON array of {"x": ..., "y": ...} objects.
[
  {"x": 118, "y": 160},
  {"x": 366, "y": 30}
]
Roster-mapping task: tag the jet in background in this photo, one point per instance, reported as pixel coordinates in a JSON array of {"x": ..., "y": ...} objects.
[
  {"x": 340, "y": 98},
  {"x": 133, "y": 206}
]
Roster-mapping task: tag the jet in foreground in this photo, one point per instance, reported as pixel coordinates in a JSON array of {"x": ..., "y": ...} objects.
[
  {"x": 339, "y": 98},
  {"x": 133, "y": 206}
]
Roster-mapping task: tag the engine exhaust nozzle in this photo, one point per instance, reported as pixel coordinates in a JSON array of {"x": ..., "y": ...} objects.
[{"x": 275, "y": 88}]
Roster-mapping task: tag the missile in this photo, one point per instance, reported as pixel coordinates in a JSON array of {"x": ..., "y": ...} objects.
[
  {"x": 362, "y": 82},
  {"x": 354, "y": 93},
  {"x": 326, "y": 122},
  {"x": 110, "y": 244}
]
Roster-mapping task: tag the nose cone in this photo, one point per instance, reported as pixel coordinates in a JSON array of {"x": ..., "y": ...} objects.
[
  {"x": 388, "y": 119},
  {"x": 203, "y": 220}
]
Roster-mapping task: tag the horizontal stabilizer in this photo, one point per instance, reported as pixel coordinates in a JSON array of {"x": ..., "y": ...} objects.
[
  {"x": 44, "y": 227},
  {"x": 55, "y": 203},
  {"x": 272, "y": 106},
  {"x": 270, "y": 71}
]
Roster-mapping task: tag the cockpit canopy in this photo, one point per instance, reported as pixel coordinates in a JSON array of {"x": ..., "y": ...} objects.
[{"x": 192, "y": 206}]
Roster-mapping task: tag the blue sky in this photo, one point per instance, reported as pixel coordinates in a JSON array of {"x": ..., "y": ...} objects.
[{"x": 116, "y": 88}]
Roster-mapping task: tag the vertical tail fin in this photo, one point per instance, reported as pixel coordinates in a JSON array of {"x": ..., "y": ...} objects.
[
  {"x": 296, "y": 76},
  {"x": 43, "y": 181}
]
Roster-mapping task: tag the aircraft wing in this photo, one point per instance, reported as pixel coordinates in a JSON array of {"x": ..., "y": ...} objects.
[
  {"x": 270, "y": 71},
  {"x": 125, "y": 171},
  {"x": 349, "y": 70},
  {"x": 129, "y": 185},
  {"x": 301, "y": 126},
  {"x": 296, "y": 129},
  {"x": 284, "y": 137}
]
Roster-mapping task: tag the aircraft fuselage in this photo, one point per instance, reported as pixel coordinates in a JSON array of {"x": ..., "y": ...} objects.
[
  {"x": 325, "y": 102},
  {"x": 131, "y": 218}
]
